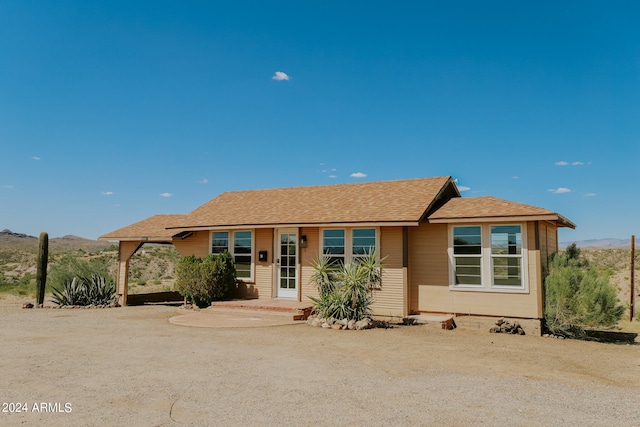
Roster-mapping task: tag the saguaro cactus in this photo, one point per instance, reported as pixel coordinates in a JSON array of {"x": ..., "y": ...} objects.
[{"x": 41, "y": 273}]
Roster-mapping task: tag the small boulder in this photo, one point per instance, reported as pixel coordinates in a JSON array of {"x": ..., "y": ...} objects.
[{"x": 27, "y": 305}]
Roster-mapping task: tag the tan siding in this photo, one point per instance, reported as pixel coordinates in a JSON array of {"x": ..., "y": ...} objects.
[
  {"x": 262, "y": 286},
  {"x": 440, "y": 299},
  {"x": 429, "y": 271},
  {"x": 544, "y": 248},
  {"x": 389, "y": 300},
  {"x": 552, "y": 236},
  {"x": 307, "y": 256},
  {"x": 428, "y": 259},
  {"x": 197, "y": 244}
]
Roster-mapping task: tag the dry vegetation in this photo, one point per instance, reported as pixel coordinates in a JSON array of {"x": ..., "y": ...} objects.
[{"x": 152, "y": 268}]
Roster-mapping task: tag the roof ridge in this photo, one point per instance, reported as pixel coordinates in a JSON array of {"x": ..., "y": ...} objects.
[{"x": 339, "y": 184}]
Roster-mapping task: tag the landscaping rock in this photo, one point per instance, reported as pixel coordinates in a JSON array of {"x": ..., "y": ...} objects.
[{"x": 507, "y": 327}]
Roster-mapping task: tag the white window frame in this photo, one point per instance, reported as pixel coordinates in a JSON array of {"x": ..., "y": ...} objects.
[
  {"x": 486, "y": 264},
  {"x": 453, "y": 257},
  {"x": 348, "y": 241},
  {"x": 231, "y": 249}
]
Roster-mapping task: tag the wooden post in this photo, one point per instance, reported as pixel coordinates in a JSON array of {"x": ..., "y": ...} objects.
[{"x": 631, "y": 274}]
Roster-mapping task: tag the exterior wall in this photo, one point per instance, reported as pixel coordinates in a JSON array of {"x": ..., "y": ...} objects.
[
  {"x": 197, "y": 244},
  {"x": 429, "y": 279},
  {"x": 428, "y": 263},
  {"x": 390, "y": 299},
  {"x": 307, "y": 256},
  {"x": 264, "y": 271}
]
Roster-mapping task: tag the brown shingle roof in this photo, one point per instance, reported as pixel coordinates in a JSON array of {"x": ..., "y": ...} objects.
[
  {"x": 372, "y": 202},
  {"x": 154, "y": 228},
  {"x": 491, "y": 208}
]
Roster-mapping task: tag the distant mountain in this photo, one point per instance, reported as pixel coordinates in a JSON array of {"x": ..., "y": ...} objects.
[
  {"x": 11, "y": 240},
  {"x": 599, "y": 243}
]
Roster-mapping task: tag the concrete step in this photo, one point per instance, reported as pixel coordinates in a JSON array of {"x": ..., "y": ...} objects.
[{"x": 442, "y": 321}]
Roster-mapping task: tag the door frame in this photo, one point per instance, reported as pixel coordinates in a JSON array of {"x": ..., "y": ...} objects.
[{"x": 276, "y": 263}]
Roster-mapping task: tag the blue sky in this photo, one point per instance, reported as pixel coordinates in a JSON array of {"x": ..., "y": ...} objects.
[{"x": 113, "y": 111}]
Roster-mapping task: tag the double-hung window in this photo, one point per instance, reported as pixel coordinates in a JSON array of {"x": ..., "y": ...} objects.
[
  {"x": 333, "y": 246},
  {"x": 343, "y": 245},
  {"x": 240, "y": 246},
  {"x": 488, "y": 258},
  {"x": 506, "y": 255},
  {"x": 467, "y": 255}
]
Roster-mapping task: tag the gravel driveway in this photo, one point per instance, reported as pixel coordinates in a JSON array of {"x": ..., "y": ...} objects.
[{"x": 130, "y": 366}]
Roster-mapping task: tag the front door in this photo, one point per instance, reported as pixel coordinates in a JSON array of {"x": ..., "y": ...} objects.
[{"x": 287, "y": 264}]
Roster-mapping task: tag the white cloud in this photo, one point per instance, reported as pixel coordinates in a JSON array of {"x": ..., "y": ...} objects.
[
  {"x": 204, "y": 181},
  {"x": 324, "y": 171},
  {"x": 463, "y": 188},
  {"x": 279, "y": 76},
  {"x": 333, "y": 170},
  {"x": 333, "y": 176},
  {"x": 358, "y": 175},
  {"x": 577, "y": 164},
  {"x": 590, "y": 195},
  {"x": 560, "y": 190},
  {"x": 166, "y": 194},
  {"x": 516, "y": 177},
  {"x": 562, "y": 163},
  {"x": 107, "y": 193},
  {"x": 36, "y": 158}
]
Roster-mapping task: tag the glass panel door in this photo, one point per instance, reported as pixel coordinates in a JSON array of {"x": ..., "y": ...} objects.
[{"x": 287, "y": 264}]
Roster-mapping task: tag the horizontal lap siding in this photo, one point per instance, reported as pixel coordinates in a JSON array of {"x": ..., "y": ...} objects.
[
  {"x": 429, "y": 279},
  {"x": 197, "y": 244},
  {"x": 389, "y": 300},
  {"x": 263, "y": 273},
  {"x": 428, "y": 260},
  {"x": 307, "y": 257}
]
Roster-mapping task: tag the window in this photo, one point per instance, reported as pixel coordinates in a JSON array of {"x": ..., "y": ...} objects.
[
  {"x": 467, "y": 255},
  {"x": 359, "y": 241},
  {"x": 363, "y": 241},
  {"x": 506, "y": 255},
  {"x": 333, "y": 244},
  {"x": 241, "y": 250},
  {"x": 242, "y": 253},
  {"x": 219, "y": 242},
  {"x": 488, "y": 257}
]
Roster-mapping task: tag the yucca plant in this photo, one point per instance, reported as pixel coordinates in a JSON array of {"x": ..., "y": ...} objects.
[{"x": 345, "y": 291}]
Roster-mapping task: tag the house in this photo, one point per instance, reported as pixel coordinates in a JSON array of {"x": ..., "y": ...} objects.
[{"x": 442, "y": 253}]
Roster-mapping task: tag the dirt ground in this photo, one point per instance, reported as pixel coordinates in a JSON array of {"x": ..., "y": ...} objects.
[{"x": 131, "y": 366}]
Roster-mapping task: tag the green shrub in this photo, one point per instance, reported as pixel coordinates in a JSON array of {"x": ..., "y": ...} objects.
[
  {"x": 346, "y": 291},
  {"x": 577, "y": 296},
  {"x": 98, "y": 290},
  {"x": 69, "y": 266},
  {"x": 203, "y": 280}
]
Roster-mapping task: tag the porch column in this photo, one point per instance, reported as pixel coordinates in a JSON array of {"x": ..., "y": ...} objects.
[{"x": 125, "y": 252}]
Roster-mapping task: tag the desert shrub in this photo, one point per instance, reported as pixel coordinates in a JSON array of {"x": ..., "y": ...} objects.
[
  {"x": 69, "y": 266},
  {"x": 346, "y": 291},
  {"x": 203, "y": 280},
  {"x": 98, "y": 290},
  {"x": 578, "y": 296}
]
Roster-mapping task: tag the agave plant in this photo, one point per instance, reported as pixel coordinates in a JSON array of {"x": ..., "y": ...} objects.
[
  {"x": 72, "y": 293},
  {"x": 98, "y": 290}
]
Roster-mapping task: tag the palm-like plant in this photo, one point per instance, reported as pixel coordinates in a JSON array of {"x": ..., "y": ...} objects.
[
  {"x": 345, "y": 291},
  {"x": 97, "y": 290}
]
